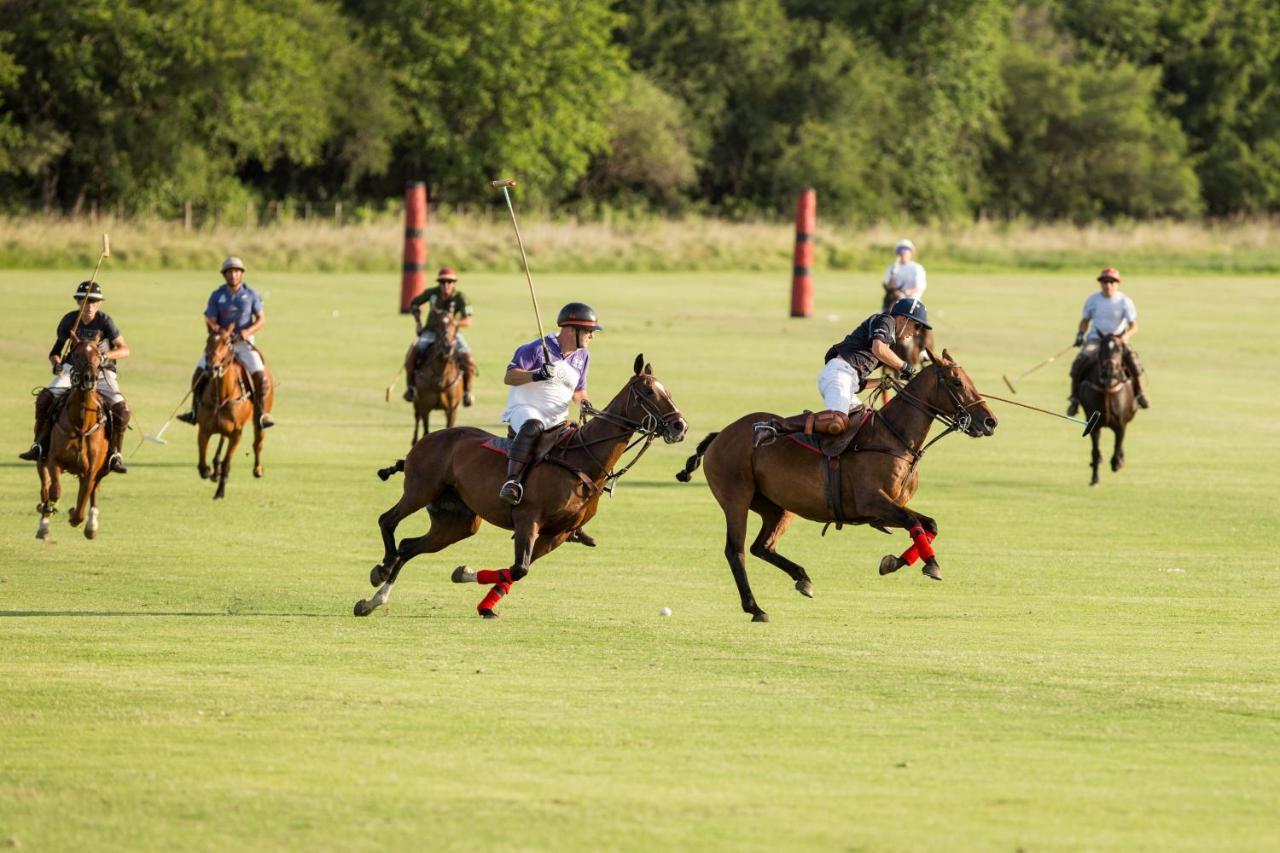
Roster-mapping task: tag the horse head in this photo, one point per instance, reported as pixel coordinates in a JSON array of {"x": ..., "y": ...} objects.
[
  {"x": 954, "y": 396},
  {"x": 647, "y": 402},
  {"x": 446, "y": 332},
  {"x": 219, "y": 352},
  {"x": 1110, "y": 359},
  {"x": 86, "y": 363}
]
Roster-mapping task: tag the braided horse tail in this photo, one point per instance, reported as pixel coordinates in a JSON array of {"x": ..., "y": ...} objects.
[
  {"x": 384, "y": 474},
  {"x": 695, "y": 461}
]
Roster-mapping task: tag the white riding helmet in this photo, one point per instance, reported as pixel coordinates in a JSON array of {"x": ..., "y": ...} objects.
[
  {"x": 232, "y": 263},
  {"x": 904, "y": 244}
]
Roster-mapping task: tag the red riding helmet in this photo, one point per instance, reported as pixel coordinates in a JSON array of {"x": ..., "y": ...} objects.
[
  {"x": 1110, "y": 274},
  {"x": 446, "y": 274}
]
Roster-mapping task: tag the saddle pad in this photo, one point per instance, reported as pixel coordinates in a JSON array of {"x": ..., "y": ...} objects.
[
  {"x": 820, "y": 444},
  {"x": 501, "y": 446},
  {"x": 498, "y": 445}
]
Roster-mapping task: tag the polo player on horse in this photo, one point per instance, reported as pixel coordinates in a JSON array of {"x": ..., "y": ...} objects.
[
  {"x": 1110, "y": 313},
  {"x": 236, "y": 308},
  {"x": 94, "y": 325},
  {"x": 847, "y": 365},
  {"x": 541, "y": 392},
  {"x": 447, "y": 299}
]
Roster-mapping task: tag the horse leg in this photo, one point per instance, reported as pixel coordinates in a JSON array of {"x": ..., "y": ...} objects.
[
  {"x": 91, "y": 528},
  {"x": 232, "y": 443},
  {"x": 735, "y": 520},
  {"x": 446, "y": 529},
  {"x": 202, "y": 442},
  {"x": 502, "y": 579},
  {"x": 1117, "y": 455},
  {"x": 82, "y": 500},
  {"x": 46, "y": 507},
  {"x": 417, "y": 416},
  {"x": 526, "y": 539},
  {"x": 921, "y": 528},
  {"x": 776, "y": 520},
  {"x": 451, "y": 414},
  {"x": 1096, "y": 458},
  {"x": 416, "y": 495}
]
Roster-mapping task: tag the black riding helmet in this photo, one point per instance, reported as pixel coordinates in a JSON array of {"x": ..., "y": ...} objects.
[
  {"x": 913, "y": 308},
  {"x": 579, "y": 315},
  {"x": 91, "y": 289}
]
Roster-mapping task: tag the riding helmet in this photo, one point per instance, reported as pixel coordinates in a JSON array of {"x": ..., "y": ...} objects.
[
  {"x": 446, "y": 274},
  {"x": 1110, "y": 274},
  {"x": 579, "y": 314},
  {"x": 913, "y": 308},
  {"x": 232, "y": 263},
  {"x": 92, "y": 288},
  {"x": 904, "y": 244}
]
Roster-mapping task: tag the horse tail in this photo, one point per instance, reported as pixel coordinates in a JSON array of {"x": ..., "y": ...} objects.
[
  {"x": 695, "y": 461},
  {"x": 384, "y": 474}
]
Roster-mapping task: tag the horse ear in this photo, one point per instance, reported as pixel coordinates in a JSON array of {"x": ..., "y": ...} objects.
[
  {"x": 946, "y": 356},
  {"x": 648, "y": 368},
  {"x": 639, "y": 363},
  {"x": 933, "y": 357}
]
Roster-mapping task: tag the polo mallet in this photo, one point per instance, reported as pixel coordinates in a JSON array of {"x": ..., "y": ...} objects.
[
  {"x": 158, "y": 437},
  {"x": 1089, "y": 424},
  {"x": 392, "y": 386},
  {"x": 1048, "y": 360},
  {"x": 542, "y": 335},
  {"x": 106, "y": 253}
]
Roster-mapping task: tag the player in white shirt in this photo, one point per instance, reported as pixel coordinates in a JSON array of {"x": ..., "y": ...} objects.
[
  {"x": 1108, "y": 312},
  {"x": 905, "y": 279}
]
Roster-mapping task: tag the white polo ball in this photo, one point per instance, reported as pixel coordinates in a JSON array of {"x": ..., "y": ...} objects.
[{"x": 666, "y": 611}]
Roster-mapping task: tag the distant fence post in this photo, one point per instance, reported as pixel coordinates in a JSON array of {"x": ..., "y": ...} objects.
[
  {"x": 414, "y": 278},
  {"x": 802, "y": 265}
]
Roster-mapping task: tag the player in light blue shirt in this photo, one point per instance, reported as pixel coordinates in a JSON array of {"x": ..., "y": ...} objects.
[{"x": 1108, "y": 312}]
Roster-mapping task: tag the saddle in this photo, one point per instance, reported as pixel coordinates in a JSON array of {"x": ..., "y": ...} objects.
[
  {"x": 836, "y": 444},
  {"x": 831, "y": 447},
  {"x": 546, "y": 442}
]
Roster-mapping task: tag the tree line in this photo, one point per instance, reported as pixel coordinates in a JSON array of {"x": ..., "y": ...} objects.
[{"x": 918, "y": 109}]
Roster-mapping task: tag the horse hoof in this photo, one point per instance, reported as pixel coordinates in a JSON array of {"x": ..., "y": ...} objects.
[
  {"x": 1117, "y": 464},
  {"x": 90, "y": 533},
  {"x": 362, "y": 608},
  {"x": 42, "y": 532},
  {"x": 463, "y": 574},
  {"x": 805, "y": 588},
  {"x": 932, "y": 570},
  {"x": 376, "y": 576},
  {"x": 890, "y": 563},
  {"x": 487, "y": 614},
  {"x": 760, "y": 617},
  {"x": 257, "y": 472}
]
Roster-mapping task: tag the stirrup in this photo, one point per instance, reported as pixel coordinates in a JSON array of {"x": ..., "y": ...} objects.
[
  {"x": 265, "y": 421},
  {"x": 516, "y": 487},
  {"x": 409, "y": 394},
  {"x": 765, "y": 433},
  {"x": 1074, "y": 408},
  {"x": 116, "y": 463},
  {"x": 32, "y": 453}
]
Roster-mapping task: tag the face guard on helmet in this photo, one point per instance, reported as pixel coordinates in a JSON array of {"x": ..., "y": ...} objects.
[{"x": 912, "y": 308}]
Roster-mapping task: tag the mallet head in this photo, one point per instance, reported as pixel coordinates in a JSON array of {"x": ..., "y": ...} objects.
[
  {"x": 1091, "y": 424},
  {"x": 506, "y": 182}
]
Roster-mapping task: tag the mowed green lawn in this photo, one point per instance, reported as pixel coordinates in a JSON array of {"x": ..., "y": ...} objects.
[{"x": 1100, "y": 669}]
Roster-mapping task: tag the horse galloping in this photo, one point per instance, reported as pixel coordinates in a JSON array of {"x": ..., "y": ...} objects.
[
  {"x": 78, "y": 444},
  {"x": 225, "y": 406},
  {"x": 869, "y": 483},
  {"x": 438, "y": 377},
  {"x": 1107, "y": 388},
  {"x": 456, "y": 477}
]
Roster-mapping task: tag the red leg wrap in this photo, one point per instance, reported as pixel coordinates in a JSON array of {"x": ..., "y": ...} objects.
[
  {"x": 494, "y": 595},
  {"x": 498, "y": 576},
  {"x": 921, "y": 548}
]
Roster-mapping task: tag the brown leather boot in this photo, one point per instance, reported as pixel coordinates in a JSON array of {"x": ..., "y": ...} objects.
[
  {"x": 826, "y": 422},
  {"x": 518, "y": 458},
  {"x": 468, "y": 372},
  {"x": 197, "y": 388},
  {"x": 261, "y": 385},
  {"x": 410, "y": 366},
  {"x": 119, "y": 423},
  {"x": 44, "y": 405}
]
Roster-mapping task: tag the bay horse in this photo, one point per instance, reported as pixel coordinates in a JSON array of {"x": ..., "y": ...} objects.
[
  {"x": 1107, "y": 388},
  {"x": 456, "y": 477},
  {"x": 78, "y": 444},
  {"x": 871, "y": 484},
  {"x": 225, "y": 406},
  {"x": 438, "y": 379}
]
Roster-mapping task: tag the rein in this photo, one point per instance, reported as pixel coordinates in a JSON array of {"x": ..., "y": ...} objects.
[
  {"x": 216, "y": 371},
  {"x": 957, "y": 421},
  {"x": 649, "y": 427}
]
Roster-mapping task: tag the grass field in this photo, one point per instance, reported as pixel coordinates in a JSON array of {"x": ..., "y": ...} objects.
[{"x": 1099, "y": 670}]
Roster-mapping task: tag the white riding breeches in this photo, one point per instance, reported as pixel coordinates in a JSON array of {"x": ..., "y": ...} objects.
[
  {"x": 245, "y": 354},
  {"x": 839, "y": 384},
  {"x": 428, "y": 338},
  {"x": 108, "y": 387}
]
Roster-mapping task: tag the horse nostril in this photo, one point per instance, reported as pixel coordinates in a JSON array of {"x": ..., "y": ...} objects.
[{"x": 990, "y": 424}]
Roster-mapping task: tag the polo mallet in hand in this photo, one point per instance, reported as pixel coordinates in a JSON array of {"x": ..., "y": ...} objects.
[
  {"x": 106, "y": 253},
  {"x": 1048, "y": 360},
  {"x": 542, "y": 335},
  {"x": 1089, "y": 425}
]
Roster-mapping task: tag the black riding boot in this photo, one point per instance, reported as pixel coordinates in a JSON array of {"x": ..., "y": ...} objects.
[
  {"x": 1077, "y": 371},
  {"x": 518, "y": 458},
  {"x": 197, "y": 388},
  {"x": 1139, "y": 378},
  {"x": 261, "y": 385},
  {"x": 119, "y": 423},
  {"x": 44, "y": 405}
]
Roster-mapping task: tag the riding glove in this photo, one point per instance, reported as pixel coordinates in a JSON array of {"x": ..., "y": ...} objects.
[
  {"x": 543, "y": 373},
  {"x": 1079, "y": 339},
  {"x": 906, "y": 372}
]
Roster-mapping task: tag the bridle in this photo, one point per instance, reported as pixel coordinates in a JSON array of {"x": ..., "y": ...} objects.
[
  {"x": 217, "y": 370},
  {"x": 959, "y": 419},
  {"x": 652, "y": 424},
  {"x": 85, "y": 380}
]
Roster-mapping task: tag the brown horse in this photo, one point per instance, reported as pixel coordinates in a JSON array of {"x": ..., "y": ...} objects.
[
  {"x": 1107, "y": 388},
  {"x": 871, "y": 484},
  {"x": 456, "y": 478},
  {"x": 438, "y": 379},
  {"x": 226, "y": 405},
  {"x": 78, "y": 445}
]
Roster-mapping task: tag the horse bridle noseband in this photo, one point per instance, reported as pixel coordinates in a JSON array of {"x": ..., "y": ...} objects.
[
  {"x": 653, "y": 424},
  {"x": 958, "y": 421}
]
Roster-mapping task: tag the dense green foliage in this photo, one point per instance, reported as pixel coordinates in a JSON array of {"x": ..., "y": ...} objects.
[{"x": 920, "y": 110}]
